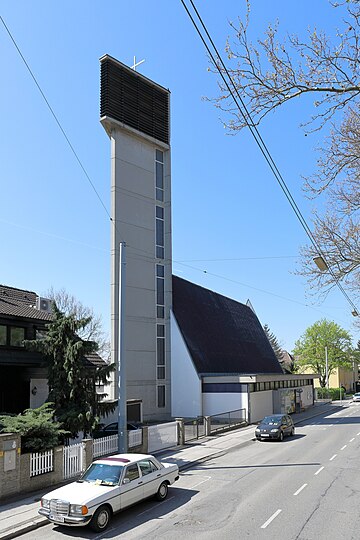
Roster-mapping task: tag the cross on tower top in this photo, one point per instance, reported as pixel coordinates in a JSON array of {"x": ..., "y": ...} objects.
[{"x": 135, "y": 64}]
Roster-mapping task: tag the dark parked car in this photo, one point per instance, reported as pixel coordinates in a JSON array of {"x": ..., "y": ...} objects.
[
  {"x": 112, "y": 429},
  {"x": 275, "y": 426}
]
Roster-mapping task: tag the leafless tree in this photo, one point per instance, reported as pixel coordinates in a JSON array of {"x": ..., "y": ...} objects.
[
  {"x": 277, "y": 70},
  {"x": 93, "y": 331}
]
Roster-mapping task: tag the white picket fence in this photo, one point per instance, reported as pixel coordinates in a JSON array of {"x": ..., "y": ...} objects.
[
  {"x": 105, "y": 445},
  {"x": 110, "y": 444},
  {"x": 73, "y": 460},
  {"x": 41, "y": 462}
]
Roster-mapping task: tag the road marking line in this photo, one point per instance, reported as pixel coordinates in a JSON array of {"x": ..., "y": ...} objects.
[
  {"x": 318, "y": 471},
  {"x": 333, "y": 457},
  {"x": 270, "y": 519},
  {"x": 202, "y": 481},
  {"x": 358, "y": 433},
  {"x": 300, "y": 489},
  {"x": 353, "y": 439},
  {"x": 152, "y": 508},
  {"x": 102, "y": 534},
  {"x": 345, "y": 445}
]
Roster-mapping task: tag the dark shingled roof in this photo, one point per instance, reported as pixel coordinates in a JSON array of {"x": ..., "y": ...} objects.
[
  {"x": 20, "y": 303},
  {"x": 223, "y": 336}
]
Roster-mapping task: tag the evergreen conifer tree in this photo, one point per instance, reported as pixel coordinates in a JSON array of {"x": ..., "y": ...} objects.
[
  {"x": 274, "y": 343},
  {"x": 71, "y": 377}
]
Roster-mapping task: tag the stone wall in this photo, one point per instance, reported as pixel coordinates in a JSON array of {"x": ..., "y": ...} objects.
[{"x": 15, "y": 469}]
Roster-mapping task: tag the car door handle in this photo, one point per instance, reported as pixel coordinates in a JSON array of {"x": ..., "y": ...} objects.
[
  {"x": 139, "y": 482},
  {"x": 158, "y": 475}
]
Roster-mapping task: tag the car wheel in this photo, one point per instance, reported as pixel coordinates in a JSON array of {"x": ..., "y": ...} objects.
[
  {"x": 162, "y": 492},
  {"x": 281, "y": 436},
  {"x": 101, "y": 519},
  {"x": 292, "y": 432}
]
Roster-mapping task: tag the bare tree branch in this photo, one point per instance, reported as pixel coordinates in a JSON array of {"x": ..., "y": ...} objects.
[
  {"x": 93, "y": 331},
  {"x": 275, "y": 71}
]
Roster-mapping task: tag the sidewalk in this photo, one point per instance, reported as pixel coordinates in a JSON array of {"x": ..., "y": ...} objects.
[{"x": 20, "y": 516}]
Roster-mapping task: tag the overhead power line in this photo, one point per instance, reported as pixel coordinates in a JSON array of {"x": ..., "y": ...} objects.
[
  {"x": 240, "y": 104},
  {"x": 264, "y": 291},
  {"x": 63, "y": 131}
]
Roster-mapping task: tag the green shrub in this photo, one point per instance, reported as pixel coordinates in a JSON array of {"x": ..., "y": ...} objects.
[
  {"x": 331, "y": 393},
  {"x": 37, "y": 427}
]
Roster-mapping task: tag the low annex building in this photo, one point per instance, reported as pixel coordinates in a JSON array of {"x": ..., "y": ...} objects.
[{"x": 222, "y": 360}]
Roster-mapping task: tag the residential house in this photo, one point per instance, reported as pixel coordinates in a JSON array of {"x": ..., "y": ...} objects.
[
  {"x": 340, "y": 377},
  {"x": 23, "y": 373}
]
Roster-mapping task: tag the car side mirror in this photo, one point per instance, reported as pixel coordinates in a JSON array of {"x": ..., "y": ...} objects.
[{"x": 126, "y": 481}]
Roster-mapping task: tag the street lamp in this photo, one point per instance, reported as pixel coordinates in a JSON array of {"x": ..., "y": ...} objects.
[
  {"x": 322, "y": 266},
  {"x": 320, "y": 263}
]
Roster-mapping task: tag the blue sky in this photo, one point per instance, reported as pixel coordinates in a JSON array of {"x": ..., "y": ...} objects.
[{"x": 233, "y": 230}]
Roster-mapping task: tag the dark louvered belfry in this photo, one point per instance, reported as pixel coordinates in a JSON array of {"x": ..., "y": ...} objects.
[{"x": 133, "y": 100}]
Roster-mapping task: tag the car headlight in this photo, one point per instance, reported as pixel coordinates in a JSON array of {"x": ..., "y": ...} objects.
[
  {"x": 45, "y": 503},
  {"x": 275, "y": 430},
  {"x": 257, "y": 430},
  {"x": 78, "y": 509}
]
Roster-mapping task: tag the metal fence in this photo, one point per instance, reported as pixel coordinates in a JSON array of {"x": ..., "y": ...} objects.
[
  {"x": 194, "y": 428},
  {"x": 162, "y": 436},
  {"x": 41, "y": 462},
  {"x": 227, "y": 420}
]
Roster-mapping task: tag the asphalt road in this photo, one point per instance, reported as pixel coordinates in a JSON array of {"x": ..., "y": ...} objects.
[{"x": 305, "y": 488}]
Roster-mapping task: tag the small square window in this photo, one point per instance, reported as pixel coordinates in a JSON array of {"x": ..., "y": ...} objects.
[
  {"x": 160, "y": 330},
  {"x": 159, "y": 156},
  {"x": 159, "y": 195},
  {"x": 159, "y": 212},
  {"x": 160, "y": 293},
  {"x": 160, "y": 270},
  {"x": 160, "y": 312},
  {"x": 159, "y": 252},
  {"x": 17, "y": 336},
  {"x": 2, "y": 334},
  {"x": 161, "y": 372},
  {"x": 161, "y": 396},
  {"x": 160, "y": 175},
  {"x": 160, "y": 352}
]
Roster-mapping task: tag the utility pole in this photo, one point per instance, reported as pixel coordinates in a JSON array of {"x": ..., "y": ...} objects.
[
  {"x": 327, "y": 370},
  {"x": 122, "y": 413}
]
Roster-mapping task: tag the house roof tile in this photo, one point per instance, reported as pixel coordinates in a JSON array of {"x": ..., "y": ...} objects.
[{"x": 20, "y": 303}]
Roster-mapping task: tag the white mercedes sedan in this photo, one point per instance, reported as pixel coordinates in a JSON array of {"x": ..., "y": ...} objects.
[{"x": 109, "y": 485}]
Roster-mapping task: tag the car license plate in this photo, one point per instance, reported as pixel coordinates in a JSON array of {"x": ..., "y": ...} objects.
[
  {"x": 55, "y": 517},
  {"x": 265, "y": 435}
]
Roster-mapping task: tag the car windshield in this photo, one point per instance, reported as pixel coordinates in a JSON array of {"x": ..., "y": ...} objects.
[
  {"x": 271, "y": 420},
  {"x": 102, "y": 474}
]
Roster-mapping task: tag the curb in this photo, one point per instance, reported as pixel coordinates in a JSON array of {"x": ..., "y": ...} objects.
[{"x": 24, "y": 528}]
